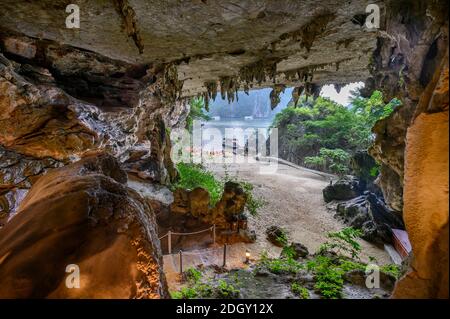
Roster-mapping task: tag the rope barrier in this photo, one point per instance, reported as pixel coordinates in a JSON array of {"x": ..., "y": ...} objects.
[
  {"x": 194, "y": 233},
  {"x": 187, "y": 234},
  {"x": 163, "y": 236},
  {"x": 170, "y": 233}
]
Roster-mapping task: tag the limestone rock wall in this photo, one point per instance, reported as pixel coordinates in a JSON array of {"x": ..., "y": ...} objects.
[
  {"x": 411, "y": 62},
  {"x": 82, "y": 214}
]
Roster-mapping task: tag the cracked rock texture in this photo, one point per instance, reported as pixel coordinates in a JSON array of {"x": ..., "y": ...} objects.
[{"x": 411, "y": 62}]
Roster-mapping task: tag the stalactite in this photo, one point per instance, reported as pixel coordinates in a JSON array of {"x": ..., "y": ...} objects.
[
  {"x": 296, "y": 93},
  {"x": 206, "y": 98},
  {"x": 275, "y": 95},
  {"x": 259, "y": 71},
  {"x": 211, "y": 88}
]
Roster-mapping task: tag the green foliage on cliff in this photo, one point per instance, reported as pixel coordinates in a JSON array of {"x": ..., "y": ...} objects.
[
  {"x": 344, "y": 241},
  {"x": 322, "y": 134},
  {"x": 194, "y": 175},
  {"x": 335, "y": 160},
  {"x": 196, "y": 112},
  {"x": 300, "y": 291}
]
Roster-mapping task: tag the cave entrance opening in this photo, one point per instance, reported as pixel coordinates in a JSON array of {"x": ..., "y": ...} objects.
[{"x": 314, "y": 143}]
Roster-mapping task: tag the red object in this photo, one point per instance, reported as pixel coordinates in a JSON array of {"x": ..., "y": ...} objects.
[{"x": 401, "y": 242}]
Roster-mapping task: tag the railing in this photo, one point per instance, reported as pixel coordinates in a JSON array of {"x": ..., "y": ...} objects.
[
  {"x": 170, "y": 233},
  {"x": 188, "y": 258}
]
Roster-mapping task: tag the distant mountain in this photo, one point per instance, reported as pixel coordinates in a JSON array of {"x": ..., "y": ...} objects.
[{"x": 255, "y": 104}]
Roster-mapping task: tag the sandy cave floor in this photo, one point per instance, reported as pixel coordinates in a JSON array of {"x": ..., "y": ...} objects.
[{"x": 293, "y": 201}]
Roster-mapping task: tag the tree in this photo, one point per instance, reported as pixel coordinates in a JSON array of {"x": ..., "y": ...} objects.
[
  {"x": 196, "y": 112},
  {"x": 318, "y": 132}
]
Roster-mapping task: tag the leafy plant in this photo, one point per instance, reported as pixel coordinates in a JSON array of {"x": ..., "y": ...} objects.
[
  {"x": 193, "y": 275},
  {"x": 288, "y": 252},
  {"x": 328, "y": 276},
  {"x": 348, "y": 265},
  {"x": 334, "y": 160},
  {"x": 194, "y": 175},
  {"x": 226, "y": 290},
  {"x": 279, "y": 265},
  {"x": 185, "y": 293},
  {"x": 392, "y": 269},
  {"x": 196, "y": 112},
  {"x": 374, "y": 171},
  {"x": 300, "y": 291},
  {"x": 343, "y": 241}
]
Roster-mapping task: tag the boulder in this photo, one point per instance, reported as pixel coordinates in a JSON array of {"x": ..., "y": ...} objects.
[
  {"x": 358, "y": 277},
  {"x": 298, "y": 250},
  {"x": 196, "y": 203},
  {"x": 230, "y": 206},
  {"x": 369, "y": 213},
  {"x": 276, "y": 235},
  {"x": 365, "y": 169},
  {"x": 346, "y": 187},
  {"x": 82, "y": 216}
]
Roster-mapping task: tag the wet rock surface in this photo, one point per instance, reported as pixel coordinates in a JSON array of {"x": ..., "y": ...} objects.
[
  {"x": 87, "y": 217},
  {"x": 346, "y": 187},
  {"x": 298, "y": 251},
  {"x": 276, "y": 235},
  {"x": 370, "y": 214}
]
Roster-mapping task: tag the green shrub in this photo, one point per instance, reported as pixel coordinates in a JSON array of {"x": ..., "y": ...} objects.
[
  {"x": 282, "y": 238},
  {"x": 194, "y": 175},
  {"x": 279, "y": 265},
  {"x": 334, "y": 160},
  {"x": 204, "y": 290},
  {"x": 288, "y": 252},
  {"x": 343, "y": 241},
  {"x": 392, "y": 269},
  {"x": 328, "y": 276},
  {"x": 193, "y": 275},
  {"x": 348, "y": 265},
  {"x": 226, "y": 290},
  {"x": 197, "y": 105},
  {"x": 185, "y": 293},
  {"x": 299, "y": 291}
]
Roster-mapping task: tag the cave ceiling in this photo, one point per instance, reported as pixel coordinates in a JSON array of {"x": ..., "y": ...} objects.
[{"x": 233, "y": 44}]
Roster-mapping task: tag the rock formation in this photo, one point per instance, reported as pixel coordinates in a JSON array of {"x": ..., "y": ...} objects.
[
  {"x": 83, "y": 215},
  {"x": 411, "y": 62},
  {"x": 346, "y": 187},
  {"x": 193, "y": 207},
  {"x": 120, "y": 83}
]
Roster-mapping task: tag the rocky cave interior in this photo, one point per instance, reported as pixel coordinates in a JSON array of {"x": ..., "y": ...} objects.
[{"x": 85, "y": 110}]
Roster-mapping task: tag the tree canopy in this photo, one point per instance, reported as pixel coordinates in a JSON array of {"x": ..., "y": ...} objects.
[{"x": 323, "y": 134}]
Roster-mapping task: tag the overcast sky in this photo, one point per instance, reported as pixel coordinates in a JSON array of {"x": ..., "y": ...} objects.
[{"x": 343, "y": 96}]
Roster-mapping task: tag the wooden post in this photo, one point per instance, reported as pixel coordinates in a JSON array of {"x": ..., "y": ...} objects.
[
  {"x": 224, "y": 255},
  {"x": 181, "y": 262},
  {"x": 214, "y": 233},
  {"x": 169, "y": 242}
]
